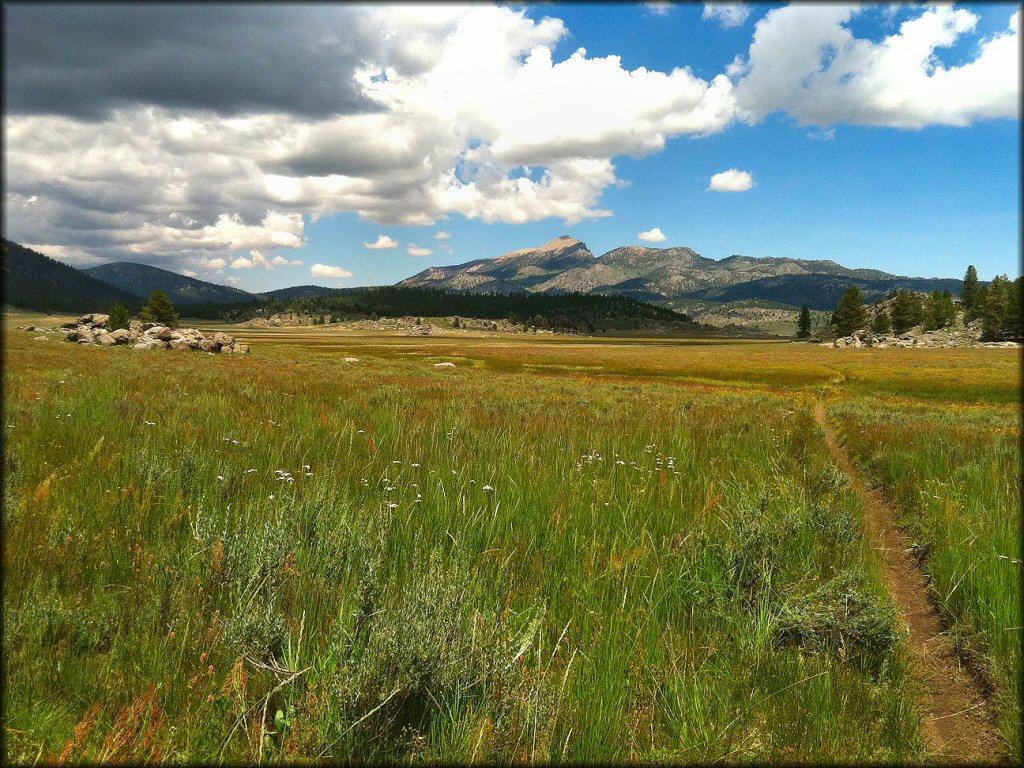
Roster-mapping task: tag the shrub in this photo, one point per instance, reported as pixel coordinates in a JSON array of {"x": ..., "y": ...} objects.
[
  {"x": 119, "y": 317},
  {"x": 841, "y": 617}
]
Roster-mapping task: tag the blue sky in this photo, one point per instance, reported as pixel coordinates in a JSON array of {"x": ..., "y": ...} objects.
[{"x": 920, "y": 189}]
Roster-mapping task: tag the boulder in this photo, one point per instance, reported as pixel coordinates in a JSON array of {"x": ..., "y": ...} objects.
[
  {"x": 221, "y": 340},
  {"x": 106, "y": 339},
  {"x": 83, "y": 334},
  {"x": 121, "y": 335},
  {"x": 178, "y": 343},
  {"x": 163, "y": 333},
  {"x": 240, "y": 349}
]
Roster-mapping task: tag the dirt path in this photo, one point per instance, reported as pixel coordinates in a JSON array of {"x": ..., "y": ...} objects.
[{"x": 957, "y": 725}]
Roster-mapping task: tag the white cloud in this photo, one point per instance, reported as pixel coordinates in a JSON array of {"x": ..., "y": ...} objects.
[
  {"x": 325, "y": 270},
  {"x": 189, "y": 273},
  {"x": 658, "y": 8},
  {"x": 653, "y": 236},
  {"x": 461, "y": 99},
  {"x": 442, "y": 235},
  {"x": 732, "y": 180},
  {"x": 382, "y": 242},
  {"x": 216, "y": 263},
  {"x": 232, "y": 280},
  {"x": 68, "y": 254},
  {"x": 281, "y": 261},
  {"x": 242, "y": 263},
  {"x": 805, "y": 61},
  {"x": 415, "y": 250},
  {"x": 727, "y": 14}
]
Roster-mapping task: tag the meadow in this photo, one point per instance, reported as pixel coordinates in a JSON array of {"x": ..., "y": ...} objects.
[{"x": 561, "y": 549}]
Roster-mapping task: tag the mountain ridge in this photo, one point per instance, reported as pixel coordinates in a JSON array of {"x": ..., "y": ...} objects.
[
  {"x": 566, "y": 265},
  {"x": 142, "y": 279}
]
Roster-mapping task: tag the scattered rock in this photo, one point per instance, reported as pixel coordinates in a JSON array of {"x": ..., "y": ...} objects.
[
  {"x": 444, "y": 365},
  {"x": 351, "y": 359},
  {"x": 92, "y": 329}
]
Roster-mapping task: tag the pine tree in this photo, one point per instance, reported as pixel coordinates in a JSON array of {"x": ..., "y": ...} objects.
[
  {"x": 119, "y": 317},
  {"x": 994, "y": 310},
  {"x": 881, "y": 325},
  {"x": 939, "y": 310},
  {"x": 850, "y": 315},
  {"x": 160, "y": 310},
  {"x": 1014, "y": 310},
  {"x": 803, "y": 325},
  {"x": 906, "y": 310},
  {"x": 969, "y": 294}
]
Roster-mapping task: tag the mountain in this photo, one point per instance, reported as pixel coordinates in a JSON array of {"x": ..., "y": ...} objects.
[
  {"x": 565, "y": 265},
  {"x": 300, "y": 292},
  {"x": 141, "y": 280},
  {"x": 821, "y": 291},
  {"x": 515, "y": 272},
  {"x": 34, "y": 281}
]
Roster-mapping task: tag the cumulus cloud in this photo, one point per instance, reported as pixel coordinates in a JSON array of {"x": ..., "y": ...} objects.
[
  {"x": 653, "y": 236},
  {"x": 442, "y": 235},
  {"x": 155, "y": 143},
  {"x": 170, "y": 151},
  {"x": 325, "y": 270},
  {"x": 732, "y": 180},
  {"x": 257, "y": 259},
  {"x": 189, "y": 272},
  {"x": 89, "y": 61},
  {"x": 415, "y": 250},
  {"x": 805, "y": 61},
  {"x": 727, "y": 14},
  {"x": 382, "y": 242}
]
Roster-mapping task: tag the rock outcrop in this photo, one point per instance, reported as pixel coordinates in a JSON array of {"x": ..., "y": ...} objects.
[
  {"x": 957, "y": 335},
  {"x": 92, "y": 329}
]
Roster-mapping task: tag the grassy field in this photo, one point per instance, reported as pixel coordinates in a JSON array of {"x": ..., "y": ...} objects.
[
  {"x": 955, "y": 476},
  {"x": 559, "y": 550}
]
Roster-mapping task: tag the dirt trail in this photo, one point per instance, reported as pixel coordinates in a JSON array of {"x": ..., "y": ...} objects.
[{"x": 957, "y": 725}]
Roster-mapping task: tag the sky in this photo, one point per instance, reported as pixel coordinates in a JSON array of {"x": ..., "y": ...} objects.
[{"x": 342, "y": 145}]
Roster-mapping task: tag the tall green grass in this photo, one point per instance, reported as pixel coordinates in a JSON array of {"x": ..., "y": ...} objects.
[
  {"x": 956, "y": 477},
  {"x": 286, "y": 556}
]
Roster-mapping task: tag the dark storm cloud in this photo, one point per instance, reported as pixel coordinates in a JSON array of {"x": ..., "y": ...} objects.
[{"x": 84, "y": 61}]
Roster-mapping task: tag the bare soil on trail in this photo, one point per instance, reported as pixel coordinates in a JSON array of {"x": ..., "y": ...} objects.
[{"x": 958, "y": 724}]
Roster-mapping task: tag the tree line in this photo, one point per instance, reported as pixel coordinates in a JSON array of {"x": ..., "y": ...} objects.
[{"x": 997, "y": 305}]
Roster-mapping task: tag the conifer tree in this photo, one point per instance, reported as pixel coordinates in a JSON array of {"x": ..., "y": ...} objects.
[
  {"x": 850, "y": 315},
  {"x": 994, "y": 310},
  {"x": 160, "y": 310},
  {"x": 969, "y": 293},
  {"x": 881, "y": 325},
  {"x": 906, "y": 310},
  {"x": 803, "y": 325},
  {"x": 119, "y": 317}
]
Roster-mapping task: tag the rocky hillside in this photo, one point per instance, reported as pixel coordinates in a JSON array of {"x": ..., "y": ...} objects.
[{"x": 659, "y": 274}]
